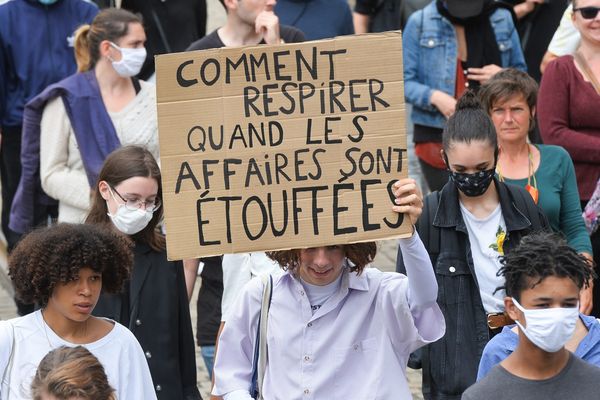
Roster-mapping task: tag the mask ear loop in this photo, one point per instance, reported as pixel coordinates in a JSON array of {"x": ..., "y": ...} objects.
[{"x": 114, "y": 46}]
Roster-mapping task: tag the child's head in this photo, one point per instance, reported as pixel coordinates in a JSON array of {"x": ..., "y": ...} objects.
[
  {"x": 544, "y": 276},
  {"x": 71, "y": 373},
  {"x": 540, "y": 256},
  {"x": 54, "y": 256}
]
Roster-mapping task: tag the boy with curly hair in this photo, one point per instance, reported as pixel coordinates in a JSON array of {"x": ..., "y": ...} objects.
[{"x": 543, "y": 279}]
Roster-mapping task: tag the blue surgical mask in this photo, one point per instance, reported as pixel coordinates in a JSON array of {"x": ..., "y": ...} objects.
[{"x": 47, "y": 2}]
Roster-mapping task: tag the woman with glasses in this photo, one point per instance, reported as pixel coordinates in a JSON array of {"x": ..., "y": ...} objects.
[
  {"x": 154, "y": 305},
  {"x": 569, "y": 108}
]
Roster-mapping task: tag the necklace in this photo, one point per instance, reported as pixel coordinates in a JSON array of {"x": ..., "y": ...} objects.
[
  {"x": 44, "y": 324},
  {"x": 531, "y": 189}
]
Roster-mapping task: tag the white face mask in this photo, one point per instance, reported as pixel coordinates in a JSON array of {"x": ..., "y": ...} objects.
[
  {"x": 549, "y": 328},
  {"x": 131, "y": 61},
  {"x": 129, "y": 221}
]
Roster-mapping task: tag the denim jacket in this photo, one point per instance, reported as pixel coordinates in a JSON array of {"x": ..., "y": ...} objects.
[
  {"x": 452, "y": 362},
  {"x": 430, "y": 54}
]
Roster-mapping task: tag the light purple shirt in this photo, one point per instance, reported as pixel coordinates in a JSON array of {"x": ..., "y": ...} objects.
[{"x": 355, "y": 346}]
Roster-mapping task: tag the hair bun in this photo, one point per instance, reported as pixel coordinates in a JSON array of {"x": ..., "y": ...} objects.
[{"x": 468, "y": 101}]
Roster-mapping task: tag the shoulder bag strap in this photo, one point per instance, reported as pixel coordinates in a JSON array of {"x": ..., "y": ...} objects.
[
  {"x": 262, "y": 327},
  {"x": 259, "y": 362},
  {"x": 585, "y": 68},
  {"x": 6, "y": 375}
]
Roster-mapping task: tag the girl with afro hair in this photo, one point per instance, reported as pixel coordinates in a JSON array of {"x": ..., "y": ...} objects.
[{"x": 63, "y": 268}]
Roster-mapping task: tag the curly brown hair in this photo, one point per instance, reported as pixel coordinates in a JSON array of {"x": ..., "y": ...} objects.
[
  {"x": 55, "y": 254},
  {"x": 69, "y": 372},
  {"x": 360, "y": 254}
]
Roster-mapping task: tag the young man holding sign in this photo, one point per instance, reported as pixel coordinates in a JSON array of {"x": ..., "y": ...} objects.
[
  {"x": 249, "y": 22},
  {"x": 336, "y": 329}
]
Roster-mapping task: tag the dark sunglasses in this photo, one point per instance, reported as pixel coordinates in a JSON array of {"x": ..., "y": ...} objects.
[{"x": 588, "y": 12}]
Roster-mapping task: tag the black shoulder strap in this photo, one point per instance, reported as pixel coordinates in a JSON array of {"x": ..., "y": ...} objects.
[
  {"x": 524, "y": 202},
  {"x": 428, "y": 230},
  {"x": 432, "y": 233}
]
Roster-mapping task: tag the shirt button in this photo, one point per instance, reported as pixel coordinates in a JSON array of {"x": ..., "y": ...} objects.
[
  {"x": 502, "y": 46},
  {"x": 158, "y": 388},
  {"x": 138, "y": 322},
  {"x": 306, "y": 391},
  {"x": 306, "y": 358},
  {"x": 355, "y": 347},
  {"x": 148, "y": 354},
  {"x": 430, "y": 43},
  {"x": 301, "y": 293},
  {"x": 309, "y": 324},
  {"x": 452, "y": 269}
]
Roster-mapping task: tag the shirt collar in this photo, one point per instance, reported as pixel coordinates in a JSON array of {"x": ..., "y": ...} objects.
[{"x": 358, "y": 282}]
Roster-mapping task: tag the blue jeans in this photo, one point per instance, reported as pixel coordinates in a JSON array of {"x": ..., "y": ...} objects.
[{"x": 208, "y": 354}]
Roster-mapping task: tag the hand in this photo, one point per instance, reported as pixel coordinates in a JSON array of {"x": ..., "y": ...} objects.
[
  {"x": 526, "y": 7},
  {"x": 443, "y": 102},
  {"x": 586, "y": 299},
  {"x": 409, "y": 199},
  {"x": 267, "y": 24},
  {"x": 482, "y": 75}
]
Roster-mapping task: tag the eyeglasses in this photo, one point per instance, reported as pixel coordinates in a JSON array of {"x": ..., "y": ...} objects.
[
  {"x": 588, "y": 12},
  {"x": 137, "y": 204}
]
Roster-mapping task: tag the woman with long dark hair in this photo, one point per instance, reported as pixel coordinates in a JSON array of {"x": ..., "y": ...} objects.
[{"x": 154, "y": 304}]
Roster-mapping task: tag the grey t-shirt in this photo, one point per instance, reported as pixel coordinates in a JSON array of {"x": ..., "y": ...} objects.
[{"x": 577, "y": 380}]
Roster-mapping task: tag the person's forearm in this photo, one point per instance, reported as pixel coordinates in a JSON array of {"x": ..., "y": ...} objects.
[
  {"x": 422, "y": 287},
  {"x": 190, "y": 268},
  {"x": 523, "y": 9},
  {"x": 361, "y": 22}
]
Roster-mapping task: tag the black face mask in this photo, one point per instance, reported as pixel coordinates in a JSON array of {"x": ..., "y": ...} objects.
[{"x": 475, "y": 184}]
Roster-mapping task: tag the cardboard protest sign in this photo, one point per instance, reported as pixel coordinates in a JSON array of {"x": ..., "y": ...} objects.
[{"x": 287, "y": 146}]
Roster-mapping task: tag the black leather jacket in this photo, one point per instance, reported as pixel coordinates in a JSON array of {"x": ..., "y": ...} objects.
[{"x": 450, "y": 364}]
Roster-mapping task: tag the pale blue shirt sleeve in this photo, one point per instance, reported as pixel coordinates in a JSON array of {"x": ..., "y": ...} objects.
[
  {"x": 498, "y": 348},
  {"x": 425, "y": 322},
  {"x": 422, "y": 288},
  {"x": 233, "y": 361}
]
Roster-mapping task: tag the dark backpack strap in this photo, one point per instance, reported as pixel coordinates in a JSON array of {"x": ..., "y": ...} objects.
[
  {"x": 427, "y": 230},
  {"x": 525, "y": 203},
  {"x": 432, "y": 235}
]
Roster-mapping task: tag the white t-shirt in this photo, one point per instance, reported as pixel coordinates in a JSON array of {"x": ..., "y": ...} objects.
[
  {"x": 119, "y": 353},
  {"x": 239, "y": 269},
  {"x": 566, "y": 39},
  {"x": 486, "y": 236},
  {"x": 318, "y": 295}
]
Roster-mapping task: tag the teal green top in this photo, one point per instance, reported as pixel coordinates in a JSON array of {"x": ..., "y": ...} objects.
[{"x": 558, "y": 195}]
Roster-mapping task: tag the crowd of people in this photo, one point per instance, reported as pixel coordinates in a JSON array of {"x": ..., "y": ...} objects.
[{"x": 495, "y": 294}]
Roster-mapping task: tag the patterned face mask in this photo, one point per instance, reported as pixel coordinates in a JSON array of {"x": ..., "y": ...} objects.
[{"x": 475, "y": 184}]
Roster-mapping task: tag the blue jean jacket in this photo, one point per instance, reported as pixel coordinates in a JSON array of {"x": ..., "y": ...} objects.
[{"x": 430, "y": 54}]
